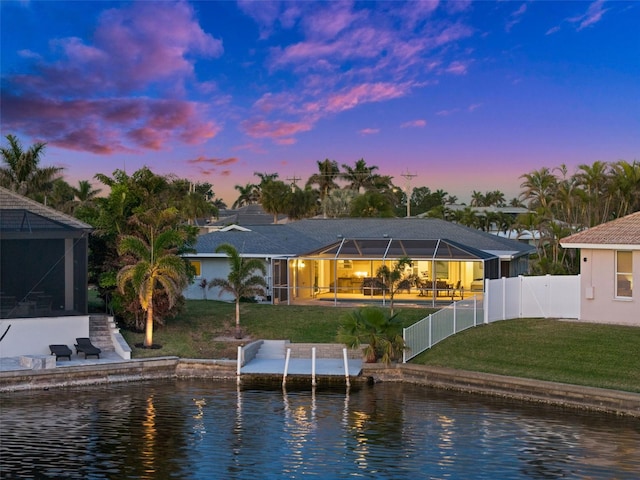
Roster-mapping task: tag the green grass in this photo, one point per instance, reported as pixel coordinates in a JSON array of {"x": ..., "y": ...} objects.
[
  {"x": 193, "y": 333},
  {"x": 606, "y": 356}
]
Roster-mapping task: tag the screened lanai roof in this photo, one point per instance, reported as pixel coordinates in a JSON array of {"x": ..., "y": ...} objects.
[{"x": 383, "y": 248}]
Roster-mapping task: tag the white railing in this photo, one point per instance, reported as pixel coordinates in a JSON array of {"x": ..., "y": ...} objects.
[{"x": 436, "y": 327}]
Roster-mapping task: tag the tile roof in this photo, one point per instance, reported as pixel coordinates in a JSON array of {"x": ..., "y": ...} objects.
[
  {"x": 11, "y": 204},
  {"x": 621, "y": 231}
]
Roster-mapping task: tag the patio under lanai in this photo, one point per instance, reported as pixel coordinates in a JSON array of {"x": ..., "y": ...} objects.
[{"x": 440, "y": 270}]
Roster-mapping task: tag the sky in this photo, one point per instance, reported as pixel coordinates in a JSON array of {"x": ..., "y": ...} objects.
[{"x": 461, "y": 96}]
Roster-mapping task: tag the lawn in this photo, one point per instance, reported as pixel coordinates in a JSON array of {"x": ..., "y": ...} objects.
[
  {"x": 206, "y": 328},
  {"x": 605, "y": 356}
]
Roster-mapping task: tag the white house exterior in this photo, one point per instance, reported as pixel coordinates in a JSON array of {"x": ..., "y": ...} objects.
[{"x": 609, "y": 271}]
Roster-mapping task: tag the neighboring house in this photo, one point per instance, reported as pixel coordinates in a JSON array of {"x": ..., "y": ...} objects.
[
  {"x": 43, "y": 273},
  {"x": 331, "y": 258},
  {"x": 609, "y": 269}
]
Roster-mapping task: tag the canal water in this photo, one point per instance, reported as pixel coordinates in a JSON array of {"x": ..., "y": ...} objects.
[{"x": 206, "y": 430}]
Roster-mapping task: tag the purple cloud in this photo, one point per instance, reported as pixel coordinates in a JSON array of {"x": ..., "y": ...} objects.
[
  {"x": 76, "y": 99},
  {"x": 414, "y": 123},
  {"x": 369, "y": 131},
  {"x": 592, "y": 16}
]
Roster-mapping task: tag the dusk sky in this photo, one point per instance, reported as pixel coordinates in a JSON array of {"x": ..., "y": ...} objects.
[{"x": 463, "y": 95}]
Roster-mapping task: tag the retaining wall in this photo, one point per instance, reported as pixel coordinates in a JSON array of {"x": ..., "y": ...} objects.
[{"x": 576, "y": 396}]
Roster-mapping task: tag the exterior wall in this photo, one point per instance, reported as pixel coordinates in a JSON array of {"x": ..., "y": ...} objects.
[
  {"x": 597, "y": 289},
  {"x": 211, "y": 268},
  {"x": 20, "y": 339}
]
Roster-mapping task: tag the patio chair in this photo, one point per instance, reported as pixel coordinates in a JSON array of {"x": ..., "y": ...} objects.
[
  {"x": 60, "y": 351},
  {"x": 85, "y": 346}
]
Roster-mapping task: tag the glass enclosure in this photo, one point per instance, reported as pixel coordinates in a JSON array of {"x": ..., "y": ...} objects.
[{"x": 439, "y": 269}]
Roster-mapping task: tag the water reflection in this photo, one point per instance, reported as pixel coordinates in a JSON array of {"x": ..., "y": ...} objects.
[{"x": 204, "y": 430}]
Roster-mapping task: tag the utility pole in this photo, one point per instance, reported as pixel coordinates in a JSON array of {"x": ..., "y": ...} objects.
[
  {"x": 293, "y": 181},
  {"x": 408, "y": 176}
]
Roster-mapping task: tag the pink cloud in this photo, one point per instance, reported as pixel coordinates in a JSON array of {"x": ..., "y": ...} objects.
[
  {"x": 77, "y": 100},
  {"x": 369, "y": 131},
  {"x": 456, "y": 68},
  {"x": 365, "y": 93},
  {"x": 106, "y": 126},
  {"x": 331, "y": 21},
  {"x": 446, "y": 113},
  {"x": 452, "y": 33},
  {"x": 274, "y": 129},
  {"x": 474, "y": 106},
  {"x": 516, "y": 17},
  {"x": 217, "y": 162},
  {"x": 592, "y": 16},
  {"x": 414, "y": 123},
  {"x": 552, "y": 30}
]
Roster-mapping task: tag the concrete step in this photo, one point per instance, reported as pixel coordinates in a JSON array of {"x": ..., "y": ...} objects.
[
  {"x": 272, "y": 349},
  {"x": 100, "y": 329}
]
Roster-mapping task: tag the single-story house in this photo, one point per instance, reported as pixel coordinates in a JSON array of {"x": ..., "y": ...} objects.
[
  {"x": 43, "y": 275},
  {"x": 609, "y": 269},
  {"x": 338, "y": 258}
]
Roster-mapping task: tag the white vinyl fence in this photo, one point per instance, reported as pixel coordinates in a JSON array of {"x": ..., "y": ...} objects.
[
  {"x": 505, "y": 298},
  {"x": 436, "y": 327},
  {"x": 547, "y": 296}
]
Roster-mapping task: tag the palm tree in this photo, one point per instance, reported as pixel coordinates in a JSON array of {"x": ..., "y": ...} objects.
[
  {"x": 539, "y": 188},
  {"x": 625, "y": 181},
  {"x": 338, "y": 203},
  {"x": 373, "y": 327},
  {"x": 275, "y": 198},
  {"x": 249, "y": 195},
  {"x": 325, "y": 179},
  {"x": 157, "y": 267},
  {"x": 242, "y": 280},
  {"x": 594, "y": 181},
  {"x": 393, "y": 278},
  {"x": 21, "y": 171},
  {"x": 359, "y": 176}
]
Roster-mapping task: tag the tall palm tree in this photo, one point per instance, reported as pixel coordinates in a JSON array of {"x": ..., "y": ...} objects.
[
  {"x": 242, "y": 280},
  {"x": 325, "y": 179},
  {"x": 539, "y": 187},
  {"x": 594, "y": 181},
  {"x": 249, "y": 195},
  {"x": 360, "y": 176},
  {"x": 275, "y": 198},
  {"x": 625, "y": 181},
  {"x": 21, "y": 171},
  {"x": 156, "y": 265}
]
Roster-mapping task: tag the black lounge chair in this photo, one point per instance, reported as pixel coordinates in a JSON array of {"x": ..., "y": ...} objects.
[
  {"x": 85, "y": 346},
  {"x": 60, "y": 351}
]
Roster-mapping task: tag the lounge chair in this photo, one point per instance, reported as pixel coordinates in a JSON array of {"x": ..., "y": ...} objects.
[
  {"x": 85, "y": 346},
  {"x": 60, "y": 351}
]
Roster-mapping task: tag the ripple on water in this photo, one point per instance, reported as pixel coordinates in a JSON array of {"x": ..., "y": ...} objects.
[{"x": 200, "y": 429}]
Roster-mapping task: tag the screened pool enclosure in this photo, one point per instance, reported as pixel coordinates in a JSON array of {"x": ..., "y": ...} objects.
[{"x": 440, "y": 269}]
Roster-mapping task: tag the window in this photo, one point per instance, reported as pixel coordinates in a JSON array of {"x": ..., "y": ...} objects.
[
  {"x": 196, "y": 267},
  {"x": 624, "y": 274}
]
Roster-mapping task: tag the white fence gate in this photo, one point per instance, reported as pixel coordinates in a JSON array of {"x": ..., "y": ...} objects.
[{"x": 547, "y": 296}]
